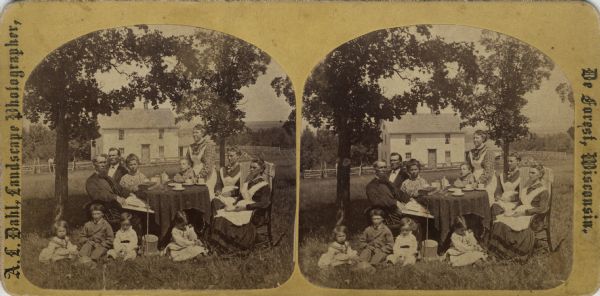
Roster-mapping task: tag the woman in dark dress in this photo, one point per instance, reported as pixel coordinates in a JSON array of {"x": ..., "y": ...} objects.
[{"x": 234, "y": 226}]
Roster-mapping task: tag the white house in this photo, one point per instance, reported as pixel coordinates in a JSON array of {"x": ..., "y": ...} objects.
[
  {"x": 150, "y": 134},
  {"x": 434, "y": 140}
]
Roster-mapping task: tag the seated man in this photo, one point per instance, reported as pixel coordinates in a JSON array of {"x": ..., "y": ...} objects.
[
  {"x": 102, "y": 189},
  {"x": 381, "y": 194}
]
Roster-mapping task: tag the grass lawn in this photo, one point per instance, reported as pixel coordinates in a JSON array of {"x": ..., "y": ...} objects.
[
  {"x": 261, "y": 269},
  {"x": 542, "y": 271}
]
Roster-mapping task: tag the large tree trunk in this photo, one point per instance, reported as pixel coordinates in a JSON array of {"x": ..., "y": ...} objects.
[
  {"x": 222, "y": 151},
  {"x": 343, "y": 176},
  {"x": 505, "y": 152},
  {"x": 61, "y": 173}
]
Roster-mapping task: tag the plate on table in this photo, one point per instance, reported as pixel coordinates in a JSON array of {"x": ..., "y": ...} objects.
[
  {"x": 458, "y": 194},
  {"x": 178, "y": 189},
  {"x": 173, "y": 184},
  {"x": 453, "y": 189},
  {"x": 187, "y": 184},
  {"x": 468, "y": 189},
  {"x": 148, "y": 183}
]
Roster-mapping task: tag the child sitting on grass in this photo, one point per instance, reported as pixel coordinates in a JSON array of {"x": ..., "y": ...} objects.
[
  {"x": 376, "y": 241},
  {"x": 97, "y": 236},
  {"x": 126, "y": 240},
  {"x": 59, "y": 247},
  {"x": 464, "y": 250},
  {"x": 466, "y": 177},
  {"x": 339, "y": 251},
  {"x": 184, "y": 243},
  {"x": 405, "y": 247}
]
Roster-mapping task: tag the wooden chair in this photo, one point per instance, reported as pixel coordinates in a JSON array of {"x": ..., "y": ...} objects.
[
  {"x": 541, "y": 222},
  {"x": 265, "y": 229}
]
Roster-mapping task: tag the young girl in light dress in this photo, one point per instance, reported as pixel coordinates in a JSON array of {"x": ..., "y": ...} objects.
[
  {"x": 126, "y": 241},
  {"x": 184, "y": 243},
  {"x": 59, "y": 247},
  {"x": 405, "y": 246},
  {"x": 339, "y": 251},
  {"x": 465, "y": 249}
]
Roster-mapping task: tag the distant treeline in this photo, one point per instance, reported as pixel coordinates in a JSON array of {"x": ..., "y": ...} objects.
[
  {"x": 273, "y": 136},
  {"x": 562, "y": 142},
  {"x": 39, "y": 142},
  {"x": 318, "y": 149}
]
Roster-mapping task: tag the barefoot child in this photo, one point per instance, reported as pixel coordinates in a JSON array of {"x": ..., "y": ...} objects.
[
  {"x": 97, "y": 236},
  {"x": 59, "y": 247},
  {"x": 376, "y": 241},
  {"x": 464, "y": 250},
  {"x": 184, "y": 243},
  {"x": 339, "y": 251},
  {"x": 405, "y": 247},
  {"x": 126, "y": 240}
]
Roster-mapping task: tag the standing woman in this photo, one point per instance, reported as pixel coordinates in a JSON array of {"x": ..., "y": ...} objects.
[
  {"x": 202, "y": 155},
  {"x": 483, "y": 163},
  {"x": 513, "y": 232}
]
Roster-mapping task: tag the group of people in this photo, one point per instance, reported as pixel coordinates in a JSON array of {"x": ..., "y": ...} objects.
[
  {"x": 238, "y": 207},
  {"x": 517, "y": 206}
]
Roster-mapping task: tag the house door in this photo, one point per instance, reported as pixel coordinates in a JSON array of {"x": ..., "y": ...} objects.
[
  {"x": 431, "y": 158},
  {"x": 145, "y": 153}
]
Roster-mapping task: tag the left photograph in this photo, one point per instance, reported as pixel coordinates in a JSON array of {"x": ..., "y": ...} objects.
[{"x": 158, "y": 157}]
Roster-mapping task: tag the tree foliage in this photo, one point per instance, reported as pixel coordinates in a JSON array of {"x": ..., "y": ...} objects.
[
  {"x": 283, "y": 87},
  {"x": 218, "y": 66},
  {"x": 343, "y": 93},
  {"x": 508, "y": 69}
]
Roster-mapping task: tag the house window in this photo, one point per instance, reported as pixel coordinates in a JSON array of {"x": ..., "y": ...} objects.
[
  {"x": 161, "y": 151},
  {"x": 408, "y": 139},
  {"x": 447, "y": 138},
  {"x": 121, "y": 134},
  {"x": 122, "y": 151},
  {"x": 161, "y": 133},
  {"x": 408, "y": 156},
  {"x": 448, "y": 159}
]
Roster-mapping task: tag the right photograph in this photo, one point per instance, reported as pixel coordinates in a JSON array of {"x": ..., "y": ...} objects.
[{"x": 436, "y": 157}]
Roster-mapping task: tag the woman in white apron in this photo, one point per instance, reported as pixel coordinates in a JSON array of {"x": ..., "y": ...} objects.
[
  {"x": 513, "y": 231},
  {"x": 203, "y": 156},
  {"x": 234, "y": 226},
  {"x": 482, "y": 161},
  {"x": 507, "y": 191}
]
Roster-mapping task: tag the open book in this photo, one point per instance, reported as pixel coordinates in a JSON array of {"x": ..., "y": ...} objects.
[
  {"x": 132, "y": 202},
  {"x": 414, "y": 208}
]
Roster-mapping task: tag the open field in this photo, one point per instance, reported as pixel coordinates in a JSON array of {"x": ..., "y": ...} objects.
[
  {"x": 542, "y": 271},
  {"x": 260, "y": 269}
]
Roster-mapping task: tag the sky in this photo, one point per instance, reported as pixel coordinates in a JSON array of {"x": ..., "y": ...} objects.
[{"x": 544, "y": 108}]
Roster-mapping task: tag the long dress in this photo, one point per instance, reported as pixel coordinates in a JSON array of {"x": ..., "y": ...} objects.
[
  {"x": 58, "y": 249},
  {"x": 338, "y": 254},
  {"x": 464, "y": 250},
  {"x": 515, "y": 236},
  {"x": 203, "y": 157},
  {"x": 405, "y": 248},
  {"x": 483, "y": 163},
  {"x": 237, "y": 230},
  {"x": 184, "y": 245}
]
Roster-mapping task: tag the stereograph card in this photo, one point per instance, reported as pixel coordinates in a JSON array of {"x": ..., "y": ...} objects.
[{"x": 287, "y": 148}]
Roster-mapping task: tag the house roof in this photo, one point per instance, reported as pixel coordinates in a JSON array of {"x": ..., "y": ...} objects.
[
  {"x": 138, "y": 118},
  {"x": 424, "y": 124}
]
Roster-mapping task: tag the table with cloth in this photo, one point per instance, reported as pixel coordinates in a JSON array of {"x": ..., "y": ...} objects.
[
  {"x": 445, "y": 208},
  {"x": 166, "y": 202}
]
